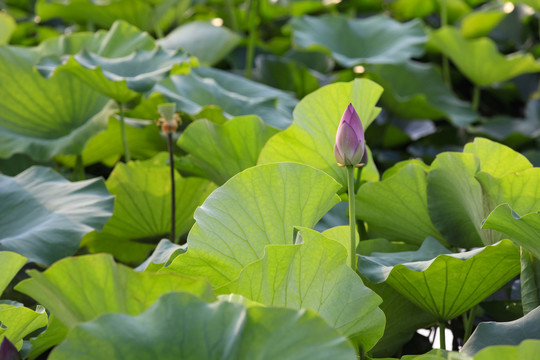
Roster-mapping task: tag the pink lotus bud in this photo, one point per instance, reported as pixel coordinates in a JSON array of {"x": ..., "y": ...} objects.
[{"x": 350, "y": 148}]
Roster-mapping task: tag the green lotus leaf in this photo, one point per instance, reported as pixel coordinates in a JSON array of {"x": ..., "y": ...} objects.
[
  {"x": 314, "y": 275},
  {"x": 527, "y": 349},
  {"x": 224, "y": 150},
  {"x": 45, "y": 117},
  {"x": 310, "y": 139},
  {"x": 164, "y": 253},
  {"x": 146, "y": 15},
  {"x": 481, "y": 22},
  {"x": 142, "y": 213},
  {"x": 79, "y": 289},
  {"x": 342, "y": 234},
  {"x": 18, "y": 322},
  {"x": 7, "y": 27},
  {"x": 181, "y": 326},
  {"x": 490, "y": 333},
  {"x": 255, "y": 208},
  {"x": 208, "y": 43},
  {"x": 235, "y": 94},
  {"x": 479, "y": 59},
  {"x": 382, "y": 39},
  {"x": 411, "y": 9},
  {"x": 45, "y": 216},
  {"x": 455, "y": 199},
  {"x": 53, "y": 335},
  {"x": 10, "y": 264},
  {"x": 446, "y": 285},
  {"x": 524, "y": 230},
  {"x": 417, "y": 91},
  {"x": 397, "y": 208},
  {"x": 535, "y": 4}
]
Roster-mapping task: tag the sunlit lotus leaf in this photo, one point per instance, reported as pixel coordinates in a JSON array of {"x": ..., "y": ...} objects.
[
  {"x": 7, "y": 26},
  {"x": 10, "y": 264},
  {"x": 18, "y": 322}
]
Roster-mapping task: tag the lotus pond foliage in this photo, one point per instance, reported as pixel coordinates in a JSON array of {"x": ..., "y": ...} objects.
[{"x": 269, "y": 179}]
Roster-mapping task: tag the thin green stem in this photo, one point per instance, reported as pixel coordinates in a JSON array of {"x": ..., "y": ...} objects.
[
  {"x": 442, "y": 338},
  {"x": 469, "y": 323},
  {"x": 127, "y": 156},
  {"x": 229, "y": 4},
  {"x": 78, "y": 171},
  {"x": 352, "y": 217},
  {"x": 476, "y": 97},
  {"x": 253, "y": 13},
  {"x": 445, "y": 63},
  {"x": 173, "y": 191}
]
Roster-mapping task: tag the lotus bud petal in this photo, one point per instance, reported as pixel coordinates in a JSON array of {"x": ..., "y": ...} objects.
[
  {"x": 350, "y": 148},
  {"x": 8, "y": 351}
]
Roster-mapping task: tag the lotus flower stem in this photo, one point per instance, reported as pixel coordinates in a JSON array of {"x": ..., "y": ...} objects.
[
  {"x": 476, "y": 97},
  {"x": 173, "y": 190},
  {"x": 231, "y": 15},
  {"x": 468, "y": 323},
  {"x": 253, "y": 14},
  {"x": 78, "y": 171},
  {"x": 352, "y": 216},
  {"x": 445, "y": 63},
  {"x": 127, "y": 156},
  {"x": 442, "y": 338}
]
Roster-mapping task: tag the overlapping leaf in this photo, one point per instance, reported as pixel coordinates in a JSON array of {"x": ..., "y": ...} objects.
[
  {"x": 17, "y": 322},
  {"x": 10, "y": 264}
]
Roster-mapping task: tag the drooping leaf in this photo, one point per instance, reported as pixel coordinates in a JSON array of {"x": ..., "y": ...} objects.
[
  {"x": 10, "y": 264},
  {"x": 164, "y": 253},
  {"x": 224, "y": 150},
  {"x": 490, "y": 333},
  {"x": 207, "y": 42},
  {"x": 79, "y": 289},
  {"x": 314, "y": 275},
  {"x": 310, "y": 140},
  {"x": 142, "y": 214},
  {"x": 396, "y": 208},
  {"x": 455, "y": 199},
  {"x": 479, "y": 59},
  {"x": 446, "y": 285},
  {"x": 480, "y": 22},
  {"x": 7, "y": 26},
  {"x": 45, "y": 117},
  {"x": 18, "y": 322},
  {"x": 181, "y": 326},
  {"x": 530, "y": 281},
  {"x": 524, "y": 230},
  {"x": 383, "y": 40},
  {"x": 235, "y": 94},
  {"x": 255, "y": 208},
  {"x": 45, "y": 216},
  {"x": 417, "y": 91}
]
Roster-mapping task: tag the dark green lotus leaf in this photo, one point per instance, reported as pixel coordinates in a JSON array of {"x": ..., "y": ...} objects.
[
  {"x": 181, "y": 326},
  {"x": 374, "y": 40},
  {"x": 79, "y": 289},
  {"x": 224, "y": 150},
  {"x": 524, "y": 230},
  {"x": 144, "y": 14},
  {"x": 314, "y": 275},
  {"x": 417, "y": 91},
  {"x": 142, "y": 213},
  {"x": 45, "y": 117},
  {"x": 7, "y": 26},
  {"x": 208, "y": 43},
  {"x": 45, "y": 216},
  {"x": 535, "y": 4},
  {"x": 479, "y": 59},
  {"x": 411, "y": 9},
  {"x": 235, "y": 94},
  {"x": 505, "y": 333},
  {"x": 396, "y": 208},
  {"x": 17, "y": 322},
  {"x": 310, "y": 139},
  {"x": 10, "y": 264},
  {"x": 255, "y": 208},
  {"x": 446, "y": 285}
]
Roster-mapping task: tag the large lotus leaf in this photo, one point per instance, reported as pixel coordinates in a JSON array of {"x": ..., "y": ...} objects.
[
  {"x": 120, "y": 40},
  {"x": 505, "y": 333},
  {"x": 448, "y": 284},
  {"x": 181, "y": 326},
  {"x": 396, "y": 208},
  {"x": 417, "y": 91},
  {"x": 79, "y": 289},
  {"x": 314, "y": 275},
  {"x": 45, "y": 117},
  {"x": 7, "y": 26},
  {"x": 374, "y": 40},
  {"x": 481, "y": 22},
  {"x": 53, "y": 335},
  {"x": 528, "y": 349},
  {"x": 142, "y": 213},
  {"x": 224, "y": 150},
  {"x": 524, "y": 230},
  {"x": 208, "y": 43},
  {"x": 255, "y": 208},
  {"x": 455, "y": 199},
  {"x": 10, "y": 264},
  {"x": 45, "y": 216},
  {"x": 18, "y": 321},
  {"x": 141, "y": 13},
  {"x": 310, "y": 139},
  {"x": 235, "y": 94},
  {"x": 479, "y": 59}
]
